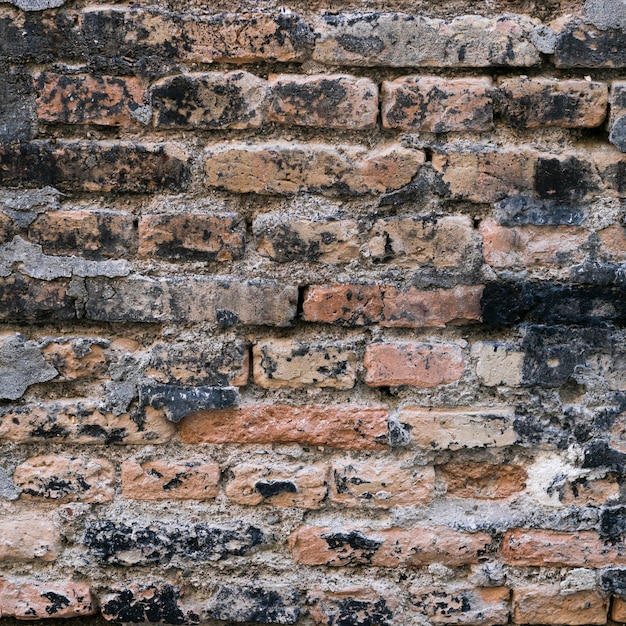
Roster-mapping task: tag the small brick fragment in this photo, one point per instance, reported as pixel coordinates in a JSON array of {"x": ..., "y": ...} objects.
[
  {"x": 283, "y": 363},
  {"x": 617, "y": 119},
  {"x": 28, "y": 601},
  {"x": 283, "y": 485},
  {"x": 25, "y": 538},
  {"x": 324, "y": 101},
  {"x": 582, "y": 45},
  {"x": 288, "y": 168},
  {"x": 618, "y": 610},
  {"x": 460, "y": 605},
  {"x": 210, "y": 101},
  {"x": 456, "y": 429},
  {"x": 482, "y": 480},
  {"x": 437, "y": 105},
  {"x": 191, "y": 237},
  {"x": 348, "y": 305},
  {"x": 351, "y": 606},
  {"x": 160, "y": 480},
  {"x": 84, "y": 99},
  {"x": 392, "y": 547},
  {"x": 65, "y": 479},
  {"x": 76, "y": 359},
  {"x": 584, "y": 492},
  {"x": 417, "y": 364},
  {"x": 380, "y": 484},
  {"x": 498, "y": 364},
  {"x": 531, "y": 605},
  {"x": 543, "y": 102},
  {"x": 612, "y": 242},
  {"x": 90, "y": 234},
  {"x": 350, "y": 427}
]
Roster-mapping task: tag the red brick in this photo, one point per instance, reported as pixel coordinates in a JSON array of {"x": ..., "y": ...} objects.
[
  {"x": 531, "y": 605},
  {"x": 84, "y": 99},
  {"x": 313, "y": 545},
  {"x": 541, "y": 102},
  {"x": 90, "y": 234},
  {"x": 533, "y": 246},
  {"x": 28, "y": 537},
  {"x": 550, "y": 548},
  {"x": 191, "y": 236},
  {"x": 482, "y": 480},
  {"x": 289, "y": 168},
  {"x": 348, "y": 305},
  {"x": 65, "y": 479},
  {"x": 160, "y": 480},
  {"x": 351, "y": 427},
  {"x": 80, "y": 359},
  {"x": 417, "y": 364},
  {"x": 324, "y": 101},
  {"x": 437, "y": 105},
  {"x": 40, "y": 600},
  {"x": 379, "y": 483}
]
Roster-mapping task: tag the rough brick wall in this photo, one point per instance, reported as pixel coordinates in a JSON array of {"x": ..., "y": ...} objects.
[{"x": 313, "y": 315}]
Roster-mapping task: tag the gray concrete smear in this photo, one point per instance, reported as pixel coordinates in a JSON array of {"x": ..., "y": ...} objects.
[
  {"x": 23, "y": 206},
  {"x": 606, "y": 14},
  {"x": 34, "y": 263},
  {"x": 21, "y": 365},
  {"x": 36, "y": 5}
]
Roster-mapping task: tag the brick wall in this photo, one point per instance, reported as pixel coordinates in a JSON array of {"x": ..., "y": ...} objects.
[{"x": 313, "y": 315}]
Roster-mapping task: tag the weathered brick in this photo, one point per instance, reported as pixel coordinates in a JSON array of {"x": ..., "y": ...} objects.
[
  {"x": 582, "y": 45},
  {"x": 589, "y": 492},
  {"x": 85, "y": 99},
  {"x": 154, "y": 604},
  {"x": 16, "y": 105},
  {"x": 566, "y": 178},
  {"x": 455, "y": 604},
  {"x": 7, "y": 228},
  {"x": 549, "y": 548},
  {"x": 90, "y": 234},
  {"x": 541, "y": 102},
  {"x": 351, "y": 427},
  {"x": 283, "y": 238},
  {"x": 482, "y": 480},
  {"x": 77, "y": 165},
  {"x": 82, "y": 422},
  {"x": 444, "y": 242},
  {"x": 162, "y": 480},
  {"x": 77, "y": 358},
  {"x": 417, "y": 364},
  {"x": 25, "y": 538},
  {"x": 286, "y": 168},
  {"x": 525, "y": 210},
  {"x": 380, "y": 484},
  {"x": 65, "y": 479},
  {"x": 324, "y": 101},
  {"x": 611, "y": 165},
  {"x": 38, "y": 600},
  {"x": 302, "y": 486},
  {"x": 349, "y": 305},
  {"x": 618, "y": 610},
  {"x": 533, "y": 246},
  {"x": 617, "y": 118},
  {"x": 283, "y": 363},
  {"x": 191, "y": 236},
  {"x": 498, "y": 363},
  {"x": 191, "y": 299},
  {"x": 437, "y": 105},
  {"x": 212, "y": 101},
  {"x": 456, "y": 429},
  {"x": 531, "y": 605},
  {"x": 26, "y": 299},
  {"x": 313, "y": 545},
  {"x": 612, "y": 243},
  {"x": 351, "y": 606},
  {"x": 400, "y": 40}
]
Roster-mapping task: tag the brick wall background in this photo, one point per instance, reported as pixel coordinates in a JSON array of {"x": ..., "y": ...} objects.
[{"x": 313, "y": 314}]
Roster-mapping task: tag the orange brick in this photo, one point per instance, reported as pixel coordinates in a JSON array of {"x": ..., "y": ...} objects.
[
  {"x": 482, "y": 480},
  {"x": 618, "y": 610},
  {"x": 324, "y": 101},
  {"x": 191, "y": 237},
  {"x": 160, "y": 480},
  {"x": 313, "y": 545},
  {"x": 351, "y": 427},
  {"x": 533, "y": 246},
  {"x": 302, "y": 486},
  {"x": 65, "y": 479},
  {"x": 437, "y": 105},
  {"x": 588, "y": 492},
  {"x": 379, "y": 483},
  {"x": 417, "y": 364},
  {"x": 83, "y": 99},
  {"x": 531, "y": 605},
  {"x": 348, "y": 305},
  {"x": 613, "y": 243},
  {"x": 550, "y": 548},
  {"x": 76, "y": 360},
  {"x": 39, "y": 600},
  {"x": 25, "y": 538}
]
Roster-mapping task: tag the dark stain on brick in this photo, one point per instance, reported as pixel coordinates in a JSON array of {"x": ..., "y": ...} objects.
[
  {"x": 614, "y": 581},
  {"x": 525, "y": 210},
  {"x": 269, "y": 488},
  {"x": 354, "y": 612},
  {"x": 613, "y": 521},
  {"x": 57, "y": 602},
  {"x": 353, "y": 546},
  {"x": 566, "y": 180},
  {"x": 580, "y": 45}
]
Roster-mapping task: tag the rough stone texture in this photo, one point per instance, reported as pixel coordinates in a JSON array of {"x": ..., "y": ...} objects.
[
  {"x": 617, "y": 119},
  {"x": 352, "y": 606},
  {"x": 16, "y": 107},
  {"x": 77, "y": 358},
  {"x": 580, "y": 45},
  {"x": 483, "y": 481}
]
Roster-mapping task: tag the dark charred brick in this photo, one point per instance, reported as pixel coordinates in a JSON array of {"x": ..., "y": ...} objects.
[
  {"x": 597, "y": 273},
  {"x": 152, "y": 604},
  {"x": 269, "y": 488},
  {"x": 614, "y": 581},
  {"x": 355, "y": 611},
  {"x": 255, "y": 604},
  {"x": 180, "y": 401},
  {"x": 118, "y": 543},
  {"x": 17, "y": 112},
  {"x": 354, "y": 540},
  {"x": 582, "y": 45},
  {"x": 119, "y": 167},
  {"x": 526, "y": 210},
  {"x": 27, "y": 299},
  {"x": 599, "y": 454},
  {"x": 564, "y": 180},
  {"x": 613, "y": 521}
]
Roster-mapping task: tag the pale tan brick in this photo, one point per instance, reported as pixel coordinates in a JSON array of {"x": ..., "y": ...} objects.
[
  {"x": 531, "y": 605},
  {"x": 498, "y": 364},
  {"x": 27, "y": 537}
]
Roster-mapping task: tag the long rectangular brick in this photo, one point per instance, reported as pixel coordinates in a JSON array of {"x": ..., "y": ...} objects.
[
  {"x": 482, "y": 480},
  {"x": 532, "y": 605},
  {"x": 583, "y": 45},
  {"x": 350, "y": 427},
  {"x": 26, "y": 299},
  {"x": 28, "y": 537}
]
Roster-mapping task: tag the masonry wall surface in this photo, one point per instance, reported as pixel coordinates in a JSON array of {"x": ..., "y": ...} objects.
[{"x": 313, "y": 313}]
